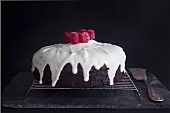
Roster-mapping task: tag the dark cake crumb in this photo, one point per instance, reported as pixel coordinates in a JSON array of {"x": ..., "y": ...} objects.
[{"x": 68, "y": 79}]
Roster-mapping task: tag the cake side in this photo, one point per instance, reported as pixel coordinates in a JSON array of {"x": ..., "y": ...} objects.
[{"x": 98, "y": 78}]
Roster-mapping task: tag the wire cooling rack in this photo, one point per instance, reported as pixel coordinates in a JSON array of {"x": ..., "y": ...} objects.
[{"x": 125, "y": 83}]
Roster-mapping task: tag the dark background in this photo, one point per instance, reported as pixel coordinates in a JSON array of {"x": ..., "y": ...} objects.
[{"x": 141, "y": 27}]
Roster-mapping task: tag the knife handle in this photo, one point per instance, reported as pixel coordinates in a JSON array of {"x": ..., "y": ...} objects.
[{"x": 153, "y": 94}]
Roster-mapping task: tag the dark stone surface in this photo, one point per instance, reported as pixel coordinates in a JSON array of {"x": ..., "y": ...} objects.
[{"x": 14, "y": 96}]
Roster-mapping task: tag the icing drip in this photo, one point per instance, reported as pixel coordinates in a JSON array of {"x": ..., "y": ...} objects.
[{"x": 88, "y": 54}]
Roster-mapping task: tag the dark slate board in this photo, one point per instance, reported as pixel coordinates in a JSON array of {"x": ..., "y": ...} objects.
[{"x": 14, "y": 96}]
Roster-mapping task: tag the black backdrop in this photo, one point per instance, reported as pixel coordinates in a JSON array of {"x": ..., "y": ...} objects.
[{"x": 141, "y": 27}]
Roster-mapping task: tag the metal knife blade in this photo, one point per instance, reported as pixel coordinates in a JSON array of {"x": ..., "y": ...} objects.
[{"x": 138, "y": 73}]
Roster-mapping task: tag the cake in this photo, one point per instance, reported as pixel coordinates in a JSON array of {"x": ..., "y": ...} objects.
[{"x": 79, "y": 62}]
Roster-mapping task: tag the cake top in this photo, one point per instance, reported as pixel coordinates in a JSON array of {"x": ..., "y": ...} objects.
[{"x": 88, "y": 54}]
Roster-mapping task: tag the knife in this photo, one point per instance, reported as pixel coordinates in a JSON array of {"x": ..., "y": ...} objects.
[{"x": 140, "y": 74}]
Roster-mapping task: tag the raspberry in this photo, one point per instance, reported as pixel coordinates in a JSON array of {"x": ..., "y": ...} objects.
[
  {"x": 84, "y": 37},
  {"x": 82, "y": 30},
  {"x": 91, "y": 34},
  {"x": 66, "y": 37},
  {"x": 74, "y": 37}
]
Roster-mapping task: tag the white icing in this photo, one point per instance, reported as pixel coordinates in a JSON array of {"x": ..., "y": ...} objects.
[{"x": 88, "y": 54}]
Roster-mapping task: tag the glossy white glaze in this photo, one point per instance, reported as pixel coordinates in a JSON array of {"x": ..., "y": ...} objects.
[{"x": 88, "y": 54}]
